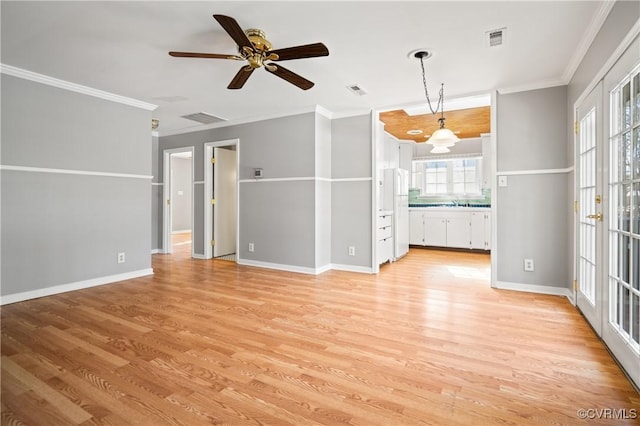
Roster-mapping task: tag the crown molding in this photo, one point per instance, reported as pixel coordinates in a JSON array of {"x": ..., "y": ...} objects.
[
  {"x": 73, "y": 87},
  {"x": 587, "y": 38}
]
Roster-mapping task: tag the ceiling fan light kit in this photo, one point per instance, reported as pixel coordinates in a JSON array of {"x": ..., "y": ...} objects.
[
  {"x": 255, "y": 49},
  {"x": 443, "y": 138}
]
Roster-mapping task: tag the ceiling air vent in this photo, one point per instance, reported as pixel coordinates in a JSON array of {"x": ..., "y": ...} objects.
[
  {"x": 495, "y": 38},
  {"x": 203, "y": 117},
  {"x": 358, "y": 90}
]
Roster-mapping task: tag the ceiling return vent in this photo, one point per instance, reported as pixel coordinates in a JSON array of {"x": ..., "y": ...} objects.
[
  {"x": 203, "y": 117},
  {"x": 356, "y": 89},
  {"x": 495, "y": 38}
]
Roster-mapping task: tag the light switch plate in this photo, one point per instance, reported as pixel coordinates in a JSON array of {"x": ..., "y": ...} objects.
[{"x": 502, "y": 181}]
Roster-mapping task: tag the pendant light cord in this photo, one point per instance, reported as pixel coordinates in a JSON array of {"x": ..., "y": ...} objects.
[{"x": 440, "y": 104}]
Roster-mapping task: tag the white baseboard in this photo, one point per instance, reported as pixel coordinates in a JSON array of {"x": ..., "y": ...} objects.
[
  {"x": 198, "y": 256},
  {"x": 78, "y": 285},
  {"x": 280, "y": 267},
  {"x": 532, "y": 288},
  {"x": 352, "y": 268},
  {"x": 304, "y": 270},
  {"x": 156, "y": 251}
]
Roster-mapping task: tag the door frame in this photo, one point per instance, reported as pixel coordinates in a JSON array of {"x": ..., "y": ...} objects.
[
  {"x": 208, "y": 190},
  {"x": 166, "y": 197}
]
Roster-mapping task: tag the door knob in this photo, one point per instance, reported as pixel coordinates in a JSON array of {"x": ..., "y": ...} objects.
[{"x": 597, "y": 216}]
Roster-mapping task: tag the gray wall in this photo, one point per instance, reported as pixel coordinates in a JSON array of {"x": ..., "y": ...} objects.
[
  {"x": 303, "y": 218},
  {"x": 531, "y": 211},
  {"x": 60, "y": 228},
  {"x": 181, "y": 193},
  {"x": 278, "y": 217},
  {"x": 351, "y": 203}
]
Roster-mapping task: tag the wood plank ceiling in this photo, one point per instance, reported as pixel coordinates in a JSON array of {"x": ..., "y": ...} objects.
[{"x": 465, "y": 123}]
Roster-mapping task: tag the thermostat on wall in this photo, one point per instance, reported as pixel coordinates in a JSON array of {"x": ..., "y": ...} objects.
[{"x": 257, "y": 173}]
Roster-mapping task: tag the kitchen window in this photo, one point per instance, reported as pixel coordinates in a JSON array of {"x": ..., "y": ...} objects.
[{"x": 448, "y": 177}]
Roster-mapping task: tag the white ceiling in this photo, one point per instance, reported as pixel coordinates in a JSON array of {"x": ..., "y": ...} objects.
[{"x": 121, "y": 47}]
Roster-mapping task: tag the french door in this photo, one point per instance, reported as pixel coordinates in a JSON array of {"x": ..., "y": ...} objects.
[
  {"x": 608, "y": 213},
  {"x": 589, "y": 247},
  {"x": 621, "y": 328}
]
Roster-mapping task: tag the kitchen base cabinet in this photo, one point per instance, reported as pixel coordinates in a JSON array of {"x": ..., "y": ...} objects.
[
  {"x": 384, "y": 248},
  {"x": 459, "y": 231},
  {"x": 455, "y": 228},
  {"x": 481, "y": 230},
  {"x": 435, "y": 231},
  {"x": 416, "y": 228}
]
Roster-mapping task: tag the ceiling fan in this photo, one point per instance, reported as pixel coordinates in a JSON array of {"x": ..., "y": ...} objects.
[{"x": 254, "y": 48}]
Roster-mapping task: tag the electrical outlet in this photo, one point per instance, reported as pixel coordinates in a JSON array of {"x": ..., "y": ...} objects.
[
  {"x": 251, "y": 247},
  {"x": 352, "y": 251},
  {"x": 528, "y": 265},
  {"x": 121, "y": 258}
]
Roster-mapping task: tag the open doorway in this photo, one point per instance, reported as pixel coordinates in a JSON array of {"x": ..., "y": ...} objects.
[
  {"x": 221, "y": 199},
  {"x": 178, "y": 195},
  {"x": 450, "y": 191}
]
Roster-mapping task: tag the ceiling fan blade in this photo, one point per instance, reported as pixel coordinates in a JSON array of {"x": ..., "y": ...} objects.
[
  {"x": 240, "y": 78},
  {"x": 205, "y": 55},
  {"x": 231, "y": 26},
  {"x": 289, "y": 76},
  {"x": 299, "y": 52}
]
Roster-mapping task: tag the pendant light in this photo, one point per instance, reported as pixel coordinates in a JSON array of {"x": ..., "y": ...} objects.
[{"x": 443, "y": 138}]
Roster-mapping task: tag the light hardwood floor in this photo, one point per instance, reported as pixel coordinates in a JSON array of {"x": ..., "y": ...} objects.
[{"x": 426, "y": 341}]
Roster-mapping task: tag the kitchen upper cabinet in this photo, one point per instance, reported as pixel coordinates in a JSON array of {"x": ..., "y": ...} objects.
[
  {"x": 405, "y": 155},
  {"x": 486, "y": 161}
]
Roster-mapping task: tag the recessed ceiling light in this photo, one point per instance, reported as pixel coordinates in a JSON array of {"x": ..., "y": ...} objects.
[{"x": 414, "y": 132}]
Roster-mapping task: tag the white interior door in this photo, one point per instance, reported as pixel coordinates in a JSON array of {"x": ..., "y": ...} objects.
[
  {"x": 224, "y": 207},
  {"x": 589, "y": 294}
]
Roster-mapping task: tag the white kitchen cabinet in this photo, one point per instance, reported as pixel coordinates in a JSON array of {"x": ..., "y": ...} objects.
[
  {"x": 385, "y": 237},
  {"x": 459, "y": 231},
  {"x": 486, "y": 161},
  {"x": 481, "y": 230},
  {"x": 416, "y": 228},
  {"x": 435, "y": 230},
  {"x": 455, "y": 228}
]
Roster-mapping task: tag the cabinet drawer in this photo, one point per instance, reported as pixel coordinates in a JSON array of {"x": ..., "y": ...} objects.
[
  {"x": 384, "y": 221},
  {"x": 384, "y": 233}
]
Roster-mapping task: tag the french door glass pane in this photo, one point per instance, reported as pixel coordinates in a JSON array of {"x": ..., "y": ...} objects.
[
  {"x": 636, "y": 153},
  {"x": 625, "y": 309},
  {"x": 635, "y": 264},
  {"x": 635, "y": 209},
  {"x": 635, "y": 320},
  {"x": 625, "y": 207},
  {"x": 623, "y": 253},
  {"x": 625, "y": 156},
  {"x": 626, "y": 105},
  {"x": 636, "y": 97}
]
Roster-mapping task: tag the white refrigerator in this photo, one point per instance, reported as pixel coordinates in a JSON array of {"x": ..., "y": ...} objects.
[{"x": 396, "y": 198}]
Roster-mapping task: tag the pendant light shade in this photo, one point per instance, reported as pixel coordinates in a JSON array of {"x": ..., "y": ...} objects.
[{"x": 443, "y": 136}]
